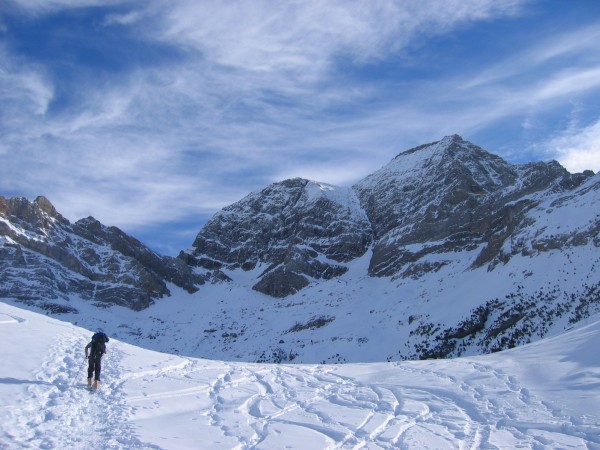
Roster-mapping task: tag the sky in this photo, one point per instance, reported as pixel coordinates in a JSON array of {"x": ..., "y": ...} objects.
[{"x": 152, "y": 115}]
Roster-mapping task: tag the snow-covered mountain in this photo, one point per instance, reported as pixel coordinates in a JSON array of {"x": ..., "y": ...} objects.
[
  {"x": 296, "y": 231},
  {"x": 46, "y": 261},
  {"x": 542, "y": 396},
  {"x": 448, "y": 250},
  {"x": 446, "y": 197}
]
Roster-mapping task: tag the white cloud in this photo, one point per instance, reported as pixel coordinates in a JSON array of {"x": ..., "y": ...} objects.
[
  {"x": 551, "y": 53},
  {"x": 577, "y": 149},
  {"x": 303, "y": 38},
  {"x": 249, "y": 102},
  {"x": 567, "y": 82},
  {"x": 38, "y": 7},
  {"x": 23, "y": 88},
  {"x": 123, "y": 19}
]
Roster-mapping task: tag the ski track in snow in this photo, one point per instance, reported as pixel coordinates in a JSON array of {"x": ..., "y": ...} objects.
[
  {"x": 261, "y": 404},
  {"x": 466, "y": 404},
  {"x": 60, "y": 399}
]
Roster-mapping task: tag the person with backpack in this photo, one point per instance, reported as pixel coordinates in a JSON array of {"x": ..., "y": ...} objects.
[{"x": 93, "y": 352}]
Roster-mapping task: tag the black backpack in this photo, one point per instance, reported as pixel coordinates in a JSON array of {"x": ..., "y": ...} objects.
[{"x": 98, "y": 348}]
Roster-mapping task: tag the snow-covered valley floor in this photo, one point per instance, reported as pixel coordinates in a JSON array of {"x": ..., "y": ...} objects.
[{"x": 545, "y": 395}]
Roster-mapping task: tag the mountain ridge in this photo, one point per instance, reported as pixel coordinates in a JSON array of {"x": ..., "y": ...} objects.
[
  {"x": 447, "y": 250},
  {"x": 432, "y": 192},
  {"x": 101, "y": 264}
]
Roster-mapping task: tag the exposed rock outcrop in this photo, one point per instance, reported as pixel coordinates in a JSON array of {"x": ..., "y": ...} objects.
[
  {"x": 439, "y": 198},
  {"x": 448, "y": 250},
  {"x": 45, "y": 260},
  {"x": 294, "y": 231},
  {"x": 451, "y": 196}
]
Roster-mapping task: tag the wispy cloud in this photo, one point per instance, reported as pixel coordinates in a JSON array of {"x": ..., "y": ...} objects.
[
  {"x": 568, "y": 82},
  {"x": 550, "y": 52},
  {"x": 303, "y": 39},
  {"x": 23, "y": 87},
  {"x": 255, "y": 93},
  {"x": 577, "y": 148},
  {"x": 37, "y": 7}
]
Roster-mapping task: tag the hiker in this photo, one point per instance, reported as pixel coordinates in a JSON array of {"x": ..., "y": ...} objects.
[{"x": 93, "y": 352}]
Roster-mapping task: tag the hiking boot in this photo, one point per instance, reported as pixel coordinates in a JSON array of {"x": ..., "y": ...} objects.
[
  {"x": 96, "y": 384},
  {"x": 89, "y": 381}
]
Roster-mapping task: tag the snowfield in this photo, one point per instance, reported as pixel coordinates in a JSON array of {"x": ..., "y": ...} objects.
[{"x": 544, "y": 395}]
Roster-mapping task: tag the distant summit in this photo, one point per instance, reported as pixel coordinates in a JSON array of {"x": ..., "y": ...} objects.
[
  {"x": 446, "y": 196},
  {"x": 45, "y": 261},
  {"x": 447, "y": 250},
  {"x": 449, "y": 196},
  {"x": 297, "y": 229}
]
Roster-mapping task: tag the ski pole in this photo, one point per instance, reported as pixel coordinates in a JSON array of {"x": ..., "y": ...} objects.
[{"x": 78, "y": 371}]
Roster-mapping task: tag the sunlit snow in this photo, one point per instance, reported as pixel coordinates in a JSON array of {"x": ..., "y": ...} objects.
[{"x": 541, "y": 396}]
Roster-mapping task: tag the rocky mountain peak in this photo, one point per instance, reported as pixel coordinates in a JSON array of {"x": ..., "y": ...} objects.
[
  {"x": 44, "y": 260},
  {"x": 292, "y": 231},
  {"x": 39, "y": 215},
  {"x": 428, "y": 185},
  {"x": 47, "y": 207},
  {"x": 449, "y": 195},
  {"x": 451, "y": 157},
  {"x": 447, "y": 250}
]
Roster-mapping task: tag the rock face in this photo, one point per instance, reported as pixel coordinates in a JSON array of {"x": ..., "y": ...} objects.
[
  {"x": 451, "y": 196},
  {"x": 448, "y": 250},
  {"x": 297, "y": 230},
  {"x": 45, "y": 260},
  {"x": 448, "y": 196}
]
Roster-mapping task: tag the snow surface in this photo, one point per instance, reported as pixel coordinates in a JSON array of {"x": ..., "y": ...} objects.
[{"x": 541, "y": 396}]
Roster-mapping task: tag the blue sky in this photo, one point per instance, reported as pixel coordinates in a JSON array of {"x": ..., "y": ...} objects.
[{"x": 152, "y": 115}]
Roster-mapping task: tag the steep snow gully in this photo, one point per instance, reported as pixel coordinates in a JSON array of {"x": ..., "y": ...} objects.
[{"x": 541, "y": 396}]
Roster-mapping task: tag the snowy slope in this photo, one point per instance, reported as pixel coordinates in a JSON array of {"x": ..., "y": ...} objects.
[
  {"x": 541, "y": 396},
  {"x": 446, "y": 251},
  {"x": 357, "y": 318}
]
